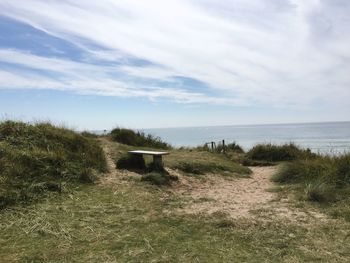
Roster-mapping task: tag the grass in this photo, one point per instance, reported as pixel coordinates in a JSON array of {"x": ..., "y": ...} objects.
[
  {"x": 137, "y": 138},
  {"x": 191, "y": 161},
  {"x": 127, "y": 224},
  {"x": 203, "y": 162},
  {"x": 231, "y": 147},
  {"x": 136, "y": 222},
  {"x": 323, "y": 179},
  {"x": 40, "y": 158},
  {"x": 277, "y": 153}
]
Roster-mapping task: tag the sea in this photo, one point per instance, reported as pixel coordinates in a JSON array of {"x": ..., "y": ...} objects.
[{"x": 324, "y": 138}]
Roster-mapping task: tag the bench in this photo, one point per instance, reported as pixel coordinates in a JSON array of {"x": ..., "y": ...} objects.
[{"x": 157, "y": 156}]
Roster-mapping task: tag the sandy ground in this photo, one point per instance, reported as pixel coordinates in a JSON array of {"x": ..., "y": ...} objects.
[{"x": 250, "y": 197}]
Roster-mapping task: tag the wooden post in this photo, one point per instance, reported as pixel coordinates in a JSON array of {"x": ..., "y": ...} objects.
[
  {"x": 212, "y": 146},
  {"x": 223, "y": 146}
]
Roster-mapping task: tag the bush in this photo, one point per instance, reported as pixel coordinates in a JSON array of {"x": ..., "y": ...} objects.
[
  {"x": 35, "y": 158},
  {"x": 130, "y": 137},
  {"x": 276, "y": 153}
]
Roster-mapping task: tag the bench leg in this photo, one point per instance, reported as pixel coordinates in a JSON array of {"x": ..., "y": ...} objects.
[{"x": 157, "y": 159}]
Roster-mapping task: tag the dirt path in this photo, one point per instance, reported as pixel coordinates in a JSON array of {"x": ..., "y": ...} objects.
[
  {"x": 242, "y": 197},
  {"x": 113, "y": 176}
]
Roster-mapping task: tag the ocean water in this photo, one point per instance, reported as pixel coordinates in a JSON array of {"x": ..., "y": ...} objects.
[{"x": 326, "y": 138}]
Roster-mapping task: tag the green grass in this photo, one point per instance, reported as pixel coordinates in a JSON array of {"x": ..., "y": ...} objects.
[
  {"x": 203, "y": 162},
  {"x": 126, "y": 223},
  {"x": 191, "y": 161},
  {"x": 137, "y": 138},
  {"x": 277, "y": 153},
  {"x": 136, "y": 222},
  {"x": 323, "y": 179},
  {"x": 39, "y": 158}
]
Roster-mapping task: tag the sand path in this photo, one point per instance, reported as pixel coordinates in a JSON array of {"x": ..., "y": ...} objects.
[{"x": 251, "y": 197}]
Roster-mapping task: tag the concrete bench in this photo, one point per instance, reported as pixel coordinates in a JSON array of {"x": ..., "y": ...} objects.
[{"x": 157, "y": 156}]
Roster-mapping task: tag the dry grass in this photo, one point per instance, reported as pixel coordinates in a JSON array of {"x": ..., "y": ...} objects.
[{"x": 128, "y": 221}]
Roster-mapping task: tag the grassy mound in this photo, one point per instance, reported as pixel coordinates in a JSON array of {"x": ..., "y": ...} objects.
[
  {"x": 35, "y": 159},
  {"x": 203, "y": 162},
  {"x": 130, "y": 137},
  {"x": 276, "y": 153}
]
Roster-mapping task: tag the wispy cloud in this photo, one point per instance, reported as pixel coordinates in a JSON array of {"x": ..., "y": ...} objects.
[{"x": 279, "y": 53}]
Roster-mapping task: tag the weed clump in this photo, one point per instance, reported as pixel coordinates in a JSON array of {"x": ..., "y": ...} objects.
[
  {"x": 38, "y": 158},
  {"x": 130, "y": 137}
]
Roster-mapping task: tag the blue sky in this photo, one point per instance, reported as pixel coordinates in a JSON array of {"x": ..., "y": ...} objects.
[{"x": 144, "y": 64}]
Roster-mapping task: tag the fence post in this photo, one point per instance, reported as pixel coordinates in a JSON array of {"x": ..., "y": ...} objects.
[{"x": 223, "y": 146}]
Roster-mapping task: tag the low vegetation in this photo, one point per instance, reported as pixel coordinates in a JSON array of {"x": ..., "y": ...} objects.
[
  {"x": 322, "y": 179},
  {"x": 137, "y": 138},
  {"x": 277, "y": 153},
  {"x": 317, "y": 173},
  {"x": 228, "y": 148},
  {"x": 89, "y": 134},
  {"x": 39, "y": 158}
]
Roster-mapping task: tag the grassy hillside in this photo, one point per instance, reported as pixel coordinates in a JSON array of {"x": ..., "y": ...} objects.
[
  {"x": 40, "y": 158},
  {"x": 137, "y": 138}
]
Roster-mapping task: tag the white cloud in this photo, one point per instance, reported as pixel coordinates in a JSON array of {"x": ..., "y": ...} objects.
[{"x": 253, "y": 52}]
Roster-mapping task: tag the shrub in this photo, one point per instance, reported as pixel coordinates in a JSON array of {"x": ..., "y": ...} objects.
[
  {"x": 276, "y": 153},
  {"x": 35, "y": 158},
  {"x": 130, "y": 137}
]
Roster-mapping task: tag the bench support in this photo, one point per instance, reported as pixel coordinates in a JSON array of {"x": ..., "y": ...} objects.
[{"x": 158, "y": 160}]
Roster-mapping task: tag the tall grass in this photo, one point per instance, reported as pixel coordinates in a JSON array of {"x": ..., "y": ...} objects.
[
  {"x": 276, "y": 153},
  {"x": 322, "y": 178},
  {"x": 37, "y": 158},
  {"x": 137, "y": 138}
]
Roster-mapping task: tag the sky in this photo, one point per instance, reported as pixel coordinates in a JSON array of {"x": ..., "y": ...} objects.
[{"x": 145, "y": 64}]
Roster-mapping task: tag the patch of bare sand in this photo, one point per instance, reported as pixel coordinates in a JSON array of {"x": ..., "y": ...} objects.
[
  {"x": 240, "y": 197},
  {"x": 113, "y": 176}
]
